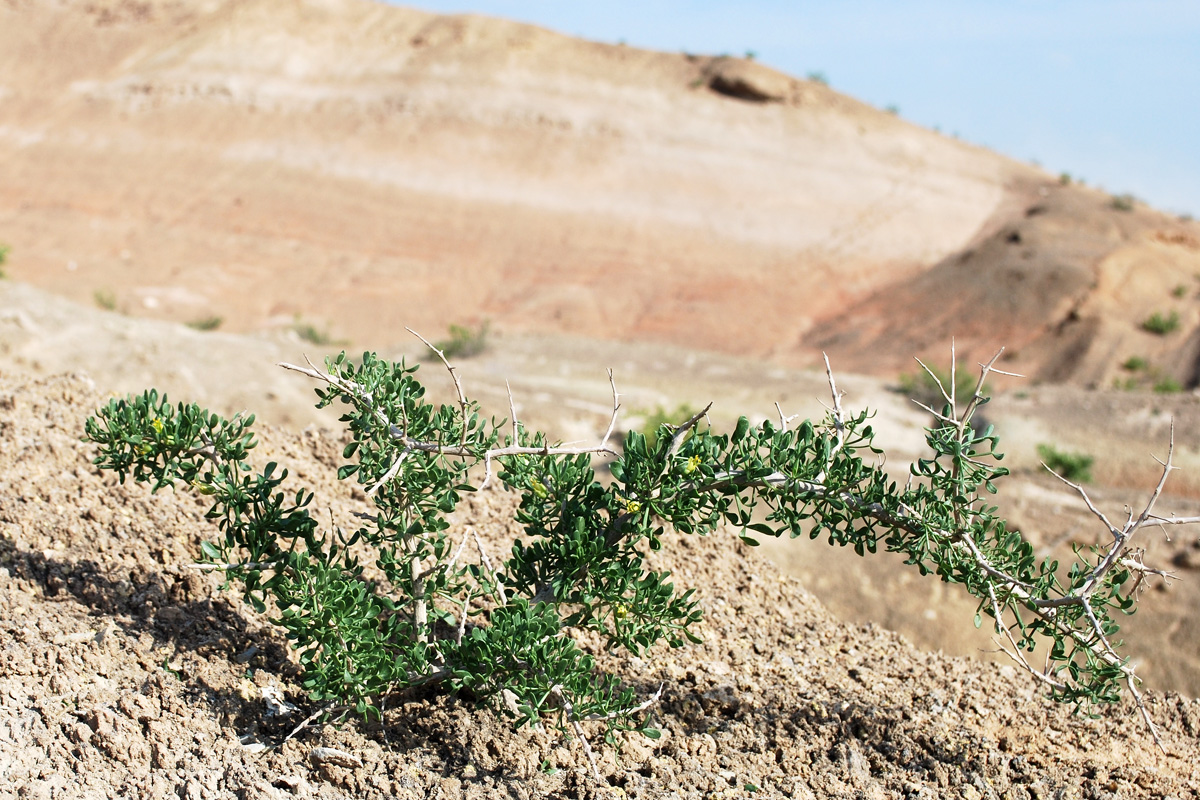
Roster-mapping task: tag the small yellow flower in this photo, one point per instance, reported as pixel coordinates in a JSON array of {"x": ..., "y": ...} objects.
[
  {"x": 204, "y": 488},
  {"x": 157, "y": 425},
  {"x": 621, "y": 610},
  {"x": 692, "y": 465},
  {"x": 539, "y": 488},
  {"x": 632, "y": 506}
]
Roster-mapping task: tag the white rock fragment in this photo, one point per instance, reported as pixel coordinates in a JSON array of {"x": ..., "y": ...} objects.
[
  {"x": 338, "y": 758},
  {"x": 276, "y": 705}
]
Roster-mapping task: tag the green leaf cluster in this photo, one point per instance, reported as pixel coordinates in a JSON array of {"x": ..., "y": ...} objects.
[
  {"x": 1075, "y": 467},
  {"x": 464, "y": 342}
]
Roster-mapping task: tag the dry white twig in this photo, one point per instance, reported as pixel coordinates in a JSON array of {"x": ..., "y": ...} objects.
[
  {"x": 681, "y": 432},
  {"x": 400, "y": 433},
  {"x": 462, "y": 398},
  {"x": 391, "y": 473},
  {"x": 487, "y": 563}
]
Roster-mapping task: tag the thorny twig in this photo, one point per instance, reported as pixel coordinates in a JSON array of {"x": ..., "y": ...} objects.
[
  {"x": 400, "y": 434},
  {"x": 462, "y": 398}
]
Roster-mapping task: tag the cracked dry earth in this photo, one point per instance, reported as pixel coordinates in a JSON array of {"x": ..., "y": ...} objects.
[{"x": 125, "y": 673}]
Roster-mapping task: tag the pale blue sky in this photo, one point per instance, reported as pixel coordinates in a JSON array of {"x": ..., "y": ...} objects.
[{"x": 1107, "y": 90}]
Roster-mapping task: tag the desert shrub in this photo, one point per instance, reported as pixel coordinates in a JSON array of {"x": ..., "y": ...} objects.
[
  {"x": 105, "y": 299},
  {"x": 816, "y": 76},
  {"x": 1123, "y": 202},
  {"x": 4, "y": 251},
  {"x": 206, "y": 323},
  {"x": 1126, "y": 384},
  {"x": 310, "y": 333},
  {"x": 1179, "y": 291},
  {"x": 1167, "y": 385},
  {"x": 1075, "y": 467},
  {"x": 1064, "y": 178},
  {"x": 1161, "y": 324},
  {"x": 1135, "y": 364},
  {"x": 463, "y": 342},
  {"x": 390, "y": 605}
]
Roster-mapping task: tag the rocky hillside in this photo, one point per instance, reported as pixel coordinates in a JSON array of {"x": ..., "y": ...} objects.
[{"x": 363, "y": 167}]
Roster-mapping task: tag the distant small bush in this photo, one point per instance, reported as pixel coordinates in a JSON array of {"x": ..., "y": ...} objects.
[
  {"x": 1179, "y": 291},
  {"x": 818, "y": 77},
  {"x": 1135, "y": 364},
  {"x": 1123, "y": 202},
  {"x": 1161, "y": 324},
  {"x": 1076, "y": 467},
  {"x": 310, "y": 333},
  {"x": 1167, "y": 385},
  {"x": 1125, "y": 384},
  {"x": 751, "y": 55},
  {"x": 206, "y": 323},
  {"x": 105, "y": 299},
  {"x": 4, "y": 251},
  {"x": 893, "y": 109},
  {"x": 1064, "y": 178},
  {"x": 924, "y": 388},
  {"x": 463, "y": 342}
]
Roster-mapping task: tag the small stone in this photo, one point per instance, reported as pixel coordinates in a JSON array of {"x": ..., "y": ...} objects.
[
  {"x": 338, "y": 758},
  {"x": 80, "y": 733},
  {"x": 292, "y": 783}
]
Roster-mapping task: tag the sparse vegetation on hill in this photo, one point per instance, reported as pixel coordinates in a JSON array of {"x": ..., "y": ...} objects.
[
  {"x": 105, "y": 299},
  {"x": 1167, "y": 385},
  {"x": 1075, "y": 467},
  {"x": 1135, "y": 364},
  {"x": 464, "y": 342},
  {"x": 206, "y": 323},
  {"x": 1161, "y": 324},
  {"x": 1123, "y": 202},
  {"x": 321, "y": 337}
]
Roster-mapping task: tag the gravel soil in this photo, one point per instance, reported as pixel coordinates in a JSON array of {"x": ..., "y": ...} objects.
[{"x": 126, "y": 673}]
